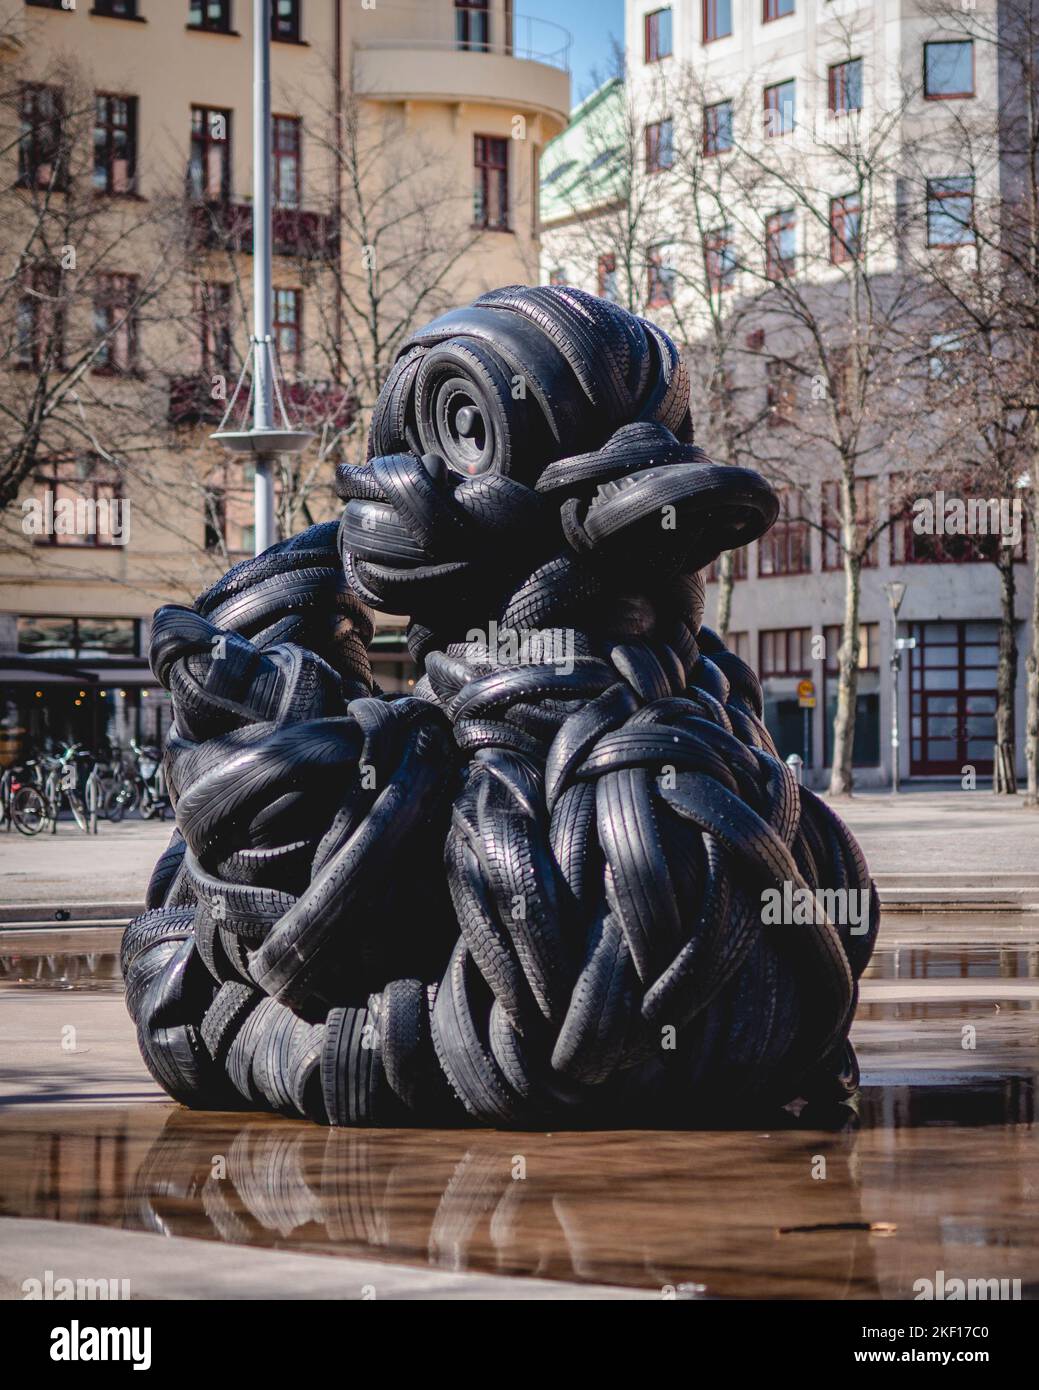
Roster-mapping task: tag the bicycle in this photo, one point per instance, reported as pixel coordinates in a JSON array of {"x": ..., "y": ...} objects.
[
  {"x": 122, "y": 794},
  {"x": 62, "y": 779},
  {"x": 22, "y": 806}
]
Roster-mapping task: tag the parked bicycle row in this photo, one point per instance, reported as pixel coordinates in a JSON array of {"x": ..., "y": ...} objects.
[{"x": 93, "y": 786}]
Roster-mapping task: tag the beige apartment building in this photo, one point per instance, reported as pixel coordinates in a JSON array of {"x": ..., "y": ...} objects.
[{"x": 406, "y": 146}]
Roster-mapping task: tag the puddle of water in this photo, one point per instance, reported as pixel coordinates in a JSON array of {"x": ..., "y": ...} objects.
[{"x": 855, "y": 1214}]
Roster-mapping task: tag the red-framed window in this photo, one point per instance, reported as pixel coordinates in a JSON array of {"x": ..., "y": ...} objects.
[
  {"x": 658, "y": 37},
  {"x": 775, "y": 9},
  {"x": 739, "y": 565},
  {"x": 865, "y": 520},
  {"x": 472, "y": 25},
  {"x": 717, "y": 128},
  {"x": 115, "y": 324},
  {"x": 717, "y": 19},
  {"x": 660, "y": 146},
  {"x": 780, "y": 391},
  {"x": 952, "y": 683},
  {"x": 949, "y": 69},
  {"x": 661, "y": 275},
  {"x": 40, "y": 325},
  {"x": 780, "y": 244},
  {"x": 780, "y": 108},
  {"x": 845, "y": 86},
  {"x": 285, "y": 25},
  {"x": 786, "y": 549},
  {"x": 606, "y": 276},
  {"x": 115, "y": 144},
  {"x": 950, "y": 211},
  {"x": 79, "y": 478},
  {"x": 42, "y": 157},
  {"x": 209, "y": 166},
  {"x": 288, "y": 328},
  {"x": 785, "y": 651},
  {"x": 286, "y": 158},
  {"x": 214, "y": 323},
  {"x": 869, "y": 647},
  {"x": 845, "y": 228},
  {"x": 491, "y": 183},
  {"x": 213, "y": 15},
  {"x": 720, "y": 258}
]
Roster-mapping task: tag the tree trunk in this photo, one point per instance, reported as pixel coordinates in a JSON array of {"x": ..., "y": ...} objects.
[
  {"x": 1032, "y": 662},
  {"x": 1004, "y": 766},
  {"x": 841, "y": 775},
  {"x": 726, "y": 570}
]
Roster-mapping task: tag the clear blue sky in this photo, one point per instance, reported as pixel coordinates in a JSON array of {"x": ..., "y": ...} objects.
[{"x": 593, "y": 24}]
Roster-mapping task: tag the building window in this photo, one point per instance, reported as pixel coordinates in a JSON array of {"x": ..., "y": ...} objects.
[
  {"x": 776, "y": 9},
  {"x": 658, "y": 35},
  {"x": 116, "y": 9},
  {"x": 67, "y": 638},
  {"x": 717, "y": 19},
  {"x": 115, "y": 144},
  {"x": 786, "y": 548},
  {"x": 780, "y": 391},
  {"x": 780, "y": 244},
  {"x": 285, "y": 20},
  {"x": 739, "y": 569},
  {"x": 491, "y": 183},
  {"x": 209, "y": 169},
  {"x": 285, "y": 156},
  {"x": 473, "y": 25},
  {"x": 661, "y": 275},
  {"x": 949, "y": 69},
  {"x": 213, "y": 15},
  {"x": 42, "y": 161},
  {"x": 865, "y": 520},
  {"x": 115, "y": 324},
  {"x": 869, "y": 647},
  {"x": 720, "y": 259},
  {"x": 942, "y": 362},
  {"x": 214, "y": 313},
  {"x": 780, "y": 100},
  {"x": 40, "y": 325},
  {"x": 845, "y": 86},
  {"x": 785, "y": 652},
  {"x": 717, "y": 128},
  {"x": 660, "y": 146},
  {"x": 606, "y": 277},
  {"x": 845, "y": 228},
  {"x": 83, "y": 481},
  {"x": 950, "y": 211},
  {"x": 288, "y": 328}
]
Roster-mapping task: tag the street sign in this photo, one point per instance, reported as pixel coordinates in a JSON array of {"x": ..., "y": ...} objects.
[{"x": 806, "y": 694}]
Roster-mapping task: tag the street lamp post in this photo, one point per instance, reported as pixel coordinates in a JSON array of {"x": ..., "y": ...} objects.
[
  {"x": 896, "y": 592},
  {"x": 269, "y": 433}
]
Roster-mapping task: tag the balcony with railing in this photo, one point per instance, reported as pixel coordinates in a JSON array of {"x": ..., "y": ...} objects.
[
  {"x": 439, "y": 51},
  {"x": 296, "y": 233},
  {"x": 310, "y": 404}
]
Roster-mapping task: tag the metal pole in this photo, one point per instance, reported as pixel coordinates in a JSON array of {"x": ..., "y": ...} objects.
[
  {"x": 263, "y": 411},
  {"x": 896, "y": 661}
]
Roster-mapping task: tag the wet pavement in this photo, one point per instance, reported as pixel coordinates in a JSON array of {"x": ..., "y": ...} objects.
[{"x": 936, "y": 1168}]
